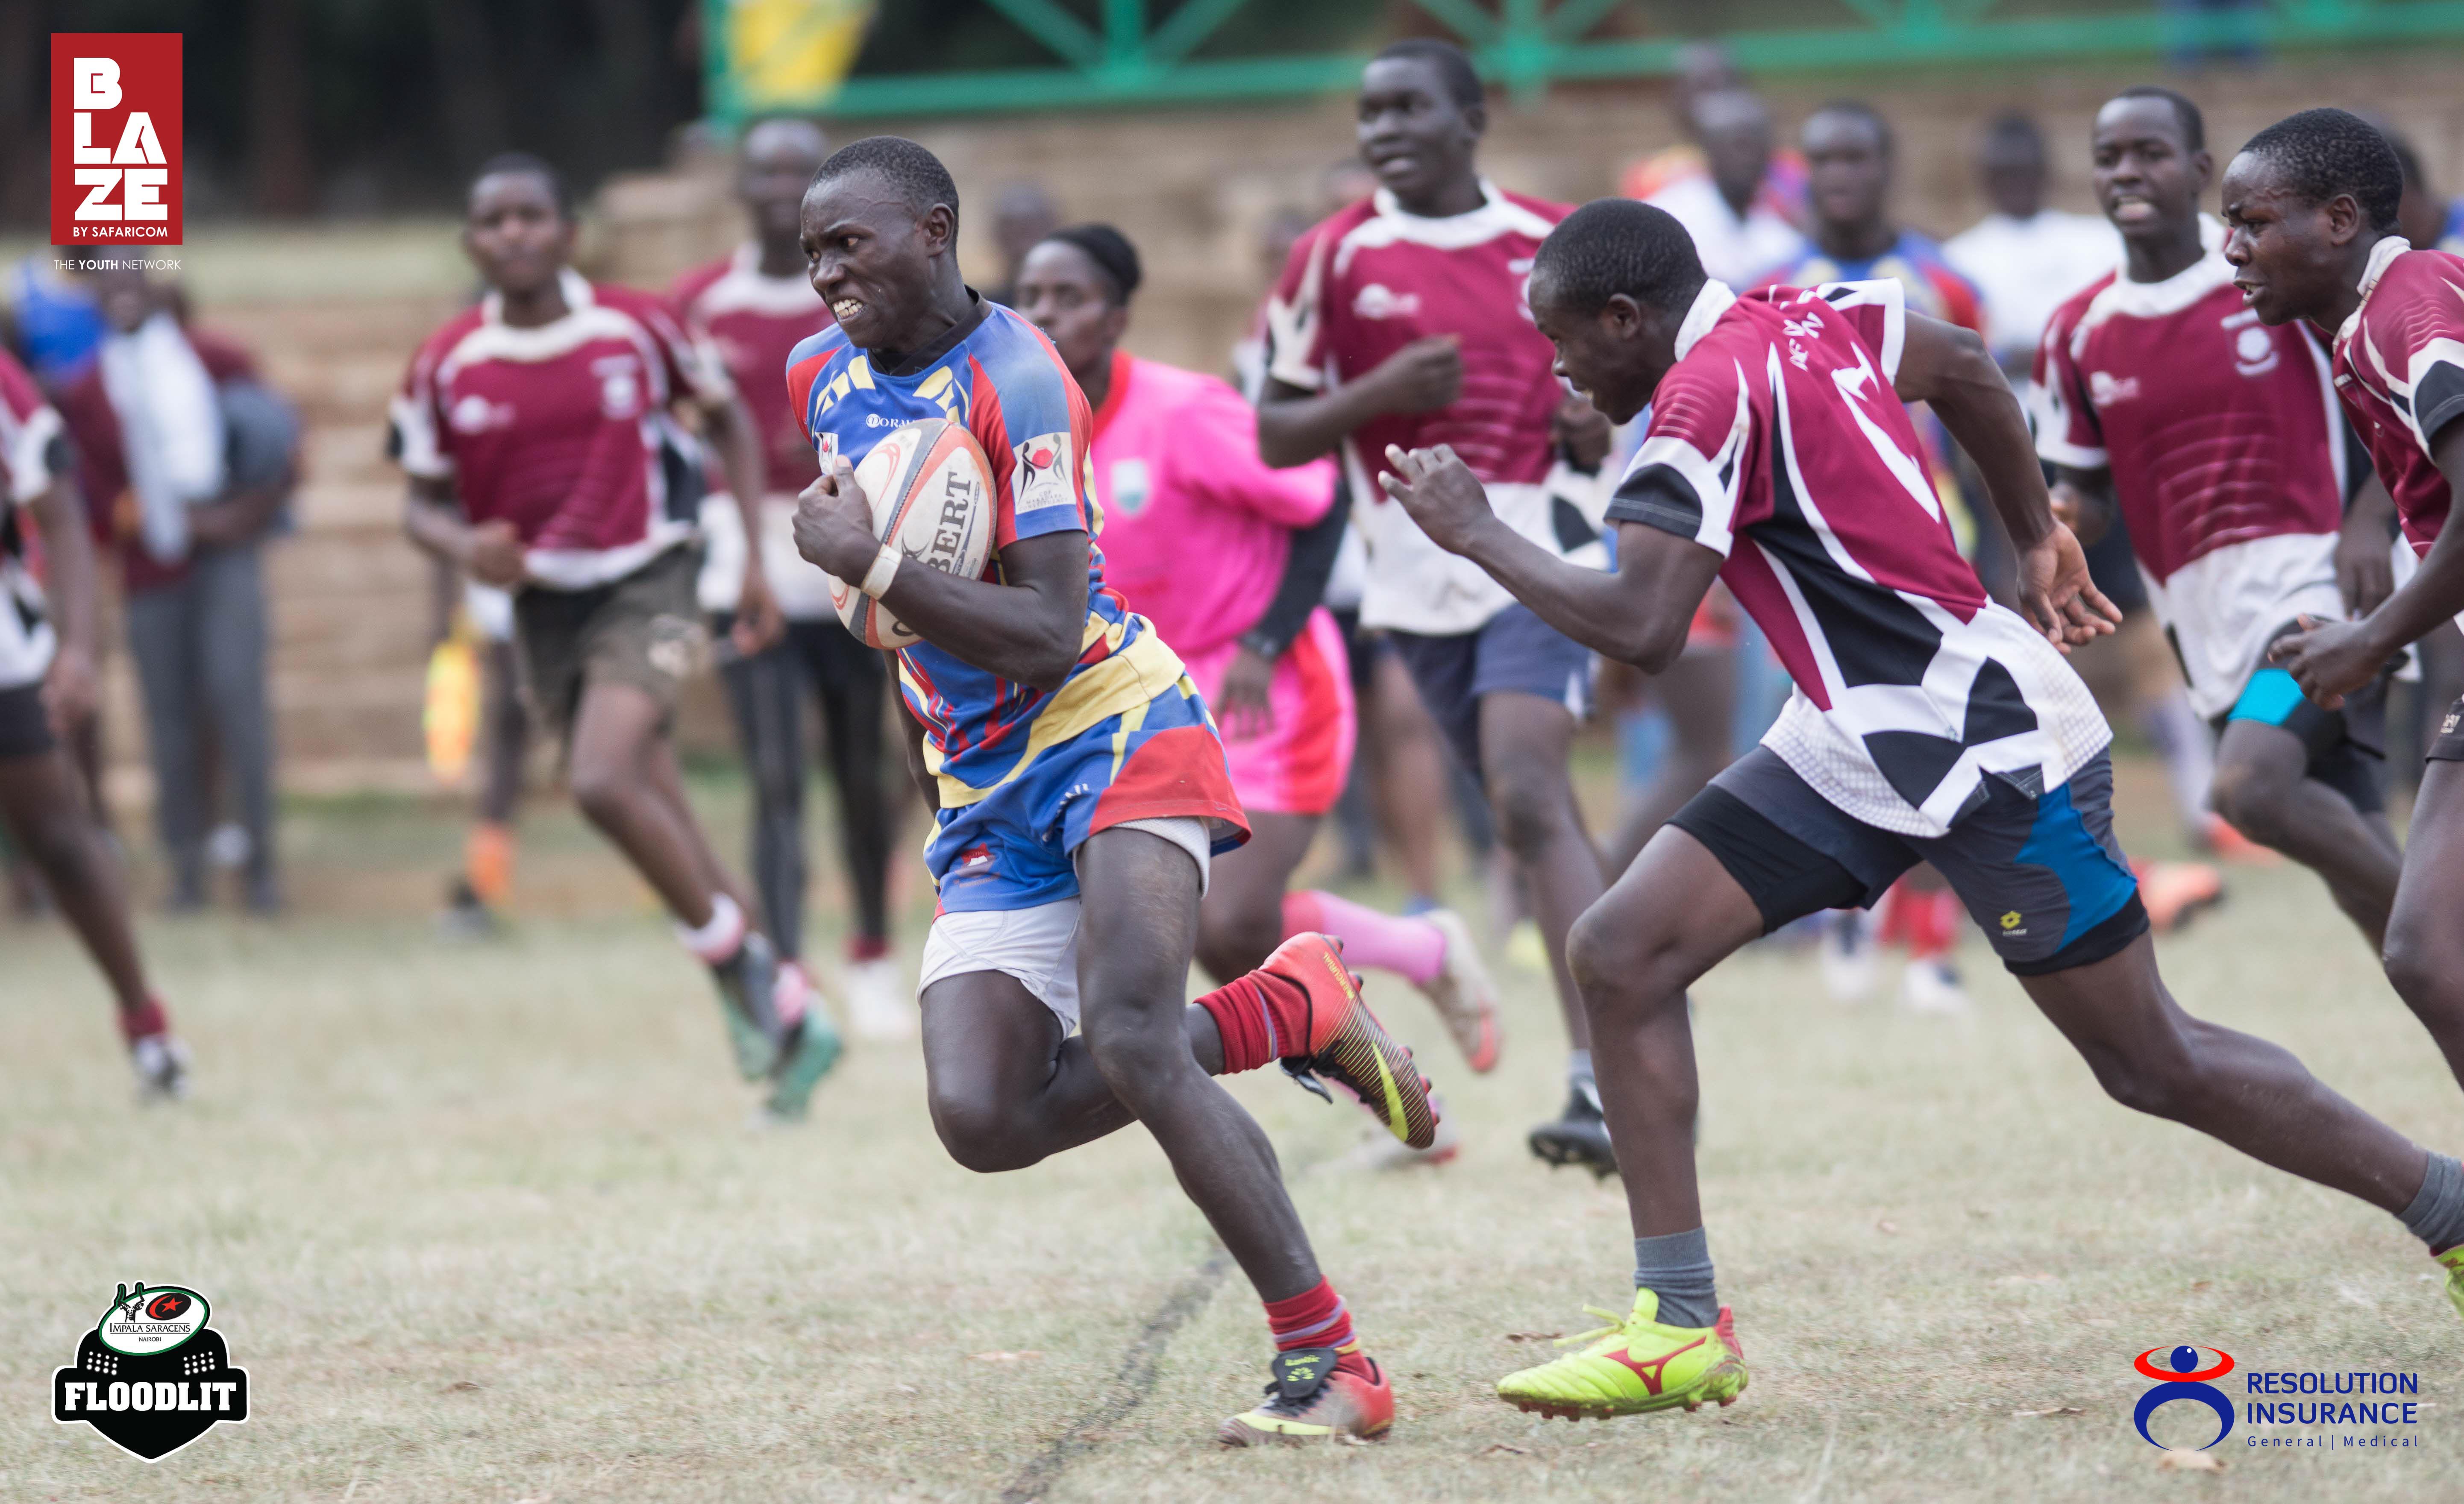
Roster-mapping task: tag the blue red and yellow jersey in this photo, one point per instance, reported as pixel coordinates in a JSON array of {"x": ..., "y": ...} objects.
[
  {"x": 1934, "y": 287},
  {"x": 1024, "y": 774}
]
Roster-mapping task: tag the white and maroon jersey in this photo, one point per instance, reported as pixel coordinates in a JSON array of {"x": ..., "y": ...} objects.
[
  {"x": 33, "y": 451},
  {"x": 1778, "y": 429},
  {"x": 2400, "y": 371},
  {"x": 751, "y": 323},
  {"x": 1369, "y": 281},
  {"x": 2228, "y": 455},
  {"x": 564, "y": 431}
]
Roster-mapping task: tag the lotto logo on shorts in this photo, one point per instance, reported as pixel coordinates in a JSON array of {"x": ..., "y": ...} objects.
[{"x": 115, "y": 167}]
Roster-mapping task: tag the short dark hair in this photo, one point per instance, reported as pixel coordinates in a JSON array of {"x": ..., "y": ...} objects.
[
  {"x": 1858, "y": 109},
  {"x": 2195, "y": 125},
  {"x": 1452, "y": 64},
  {"x": 1612, "y": 246},
  {"x": 2016, "y": 125},
  {"x": 911, "y": 168},
  {"x": 522, "y": 164},
  {"x": 1111, "y": 254},
  {"x": 2322, "y": 153}
]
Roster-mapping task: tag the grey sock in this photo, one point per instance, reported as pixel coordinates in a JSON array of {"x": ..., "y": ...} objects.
[
  {"x": 1578, "y": 1072},
  {"x": 1677, "y": 1268},
  {"x": 2436, "y": 1215}
]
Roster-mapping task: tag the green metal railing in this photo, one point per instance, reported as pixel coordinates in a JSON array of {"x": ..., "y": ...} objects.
[{"x": 1128, "y": 56}]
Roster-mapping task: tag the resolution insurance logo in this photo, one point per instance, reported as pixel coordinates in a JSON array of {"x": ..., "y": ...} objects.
[
  {"x": 115, "y": 166},
  {"x": 2186, "y": 1380}
]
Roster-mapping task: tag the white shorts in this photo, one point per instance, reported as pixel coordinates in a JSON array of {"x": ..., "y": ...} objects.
[{"x": 1039, "y": 945}]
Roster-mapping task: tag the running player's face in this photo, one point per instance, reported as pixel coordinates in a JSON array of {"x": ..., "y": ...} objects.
[
  {"x": 1847, "y": 169},
  {"x": 516, "y": 235},
  {"x": 1062, "y": 292},
  {"x": 2287, "y": 254},
  {"x": 1611, "y": 356},
  {"x": 779, "y": 160},
  {"x": 870, "y": 257},
  {"x": 2145, "y": 179},
  {"x": 1412, "y": 133}
]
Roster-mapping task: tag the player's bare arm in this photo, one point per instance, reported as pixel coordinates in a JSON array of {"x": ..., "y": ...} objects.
[
  {"x": 2331, "y": 661},
  {"x": 1028, "y": 628},
  {"x": 2364, "y": 562},
  {"x": 738, "y": 439},
  {"x": 1296, "y": 425},
  {"x": 489, "y": 553},
  {"x": 1639, "y": 615},
  {"x": 1949, "y": 368},
  {"x": 68, "y": 590}
]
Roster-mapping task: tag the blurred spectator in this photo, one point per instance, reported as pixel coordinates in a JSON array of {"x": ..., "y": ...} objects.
[
  {"x": 2429, "y": 220},
  {"x": 49, "y": 318},
  {"x": 2025, "y": 259},
  {"x": 1730, "y": 211},
  {"x": 186, "y": 459},
  {"x": 1705, "y": 69},
  {"x": 1024, "y": 213},
  {"x": 1850, "y": 158}
]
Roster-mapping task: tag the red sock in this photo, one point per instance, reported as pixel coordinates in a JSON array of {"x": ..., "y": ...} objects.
[
  {"x": 136, "y": 1023},
  {"x": 1316, "y": 1318},
  {"x": 868, "y": 947},
  {"x": 1933, "y": 924},
  {"x": 1262, "y": 1017}
]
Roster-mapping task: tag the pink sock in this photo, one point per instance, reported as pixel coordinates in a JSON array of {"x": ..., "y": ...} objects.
[{"x": 1412, "y": 949}]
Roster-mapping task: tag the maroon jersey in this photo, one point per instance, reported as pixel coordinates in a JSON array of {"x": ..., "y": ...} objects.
[
  {"x": 1373, "y": 279},
  {"x": 753, "y": 321},
  {"x": 2226, "y": 451},
  {"x": 564, "y": 431},
  {"x": 30, "y": 456},
  {"x": 2400, "y": 370},
  {"x": 1778, "y": 428}
]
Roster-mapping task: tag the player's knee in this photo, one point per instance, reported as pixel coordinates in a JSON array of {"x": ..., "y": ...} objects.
[
  {"x": 56, "y": 842},
  {"x": 600, "y": 791},
  {"x": 1141, "y": 1058},
  {"x": 1235, "y": 939},
  {"x": 2254, "y": 800},
  {"x": 1621, "y": 966},
  {"x": 1530, "y": 810},
  {"x": 2168, "y": 1082},
  {"x": 2424, "y": 957},
  {"x": 980, "y": 1135}
]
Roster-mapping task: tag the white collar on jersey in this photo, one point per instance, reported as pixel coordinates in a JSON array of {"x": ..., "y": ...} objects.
[
  {"x": 575, "y": 287},
  {"x": 2381, "y": 256},
  {"x": 1709, "y": 304},
  {"x": 1496, "y": 215},
  {"x": 2172, "y": 295}
]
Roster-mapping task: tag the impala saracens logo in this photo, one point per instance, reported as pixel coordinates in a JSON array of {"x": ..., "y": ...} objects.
[
  {"x": 151, "y": 1375},
  {"x": 2185, "y": 1380}
]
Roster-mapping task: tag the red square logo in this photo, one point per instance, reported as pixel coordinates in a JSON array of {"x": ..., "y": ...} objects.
[{"x": 116, "y": 177}]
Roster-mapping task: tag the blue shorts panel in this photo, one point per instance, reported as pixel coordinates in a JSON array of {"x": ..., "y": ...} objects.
[{"x": 1513, "y": 652}]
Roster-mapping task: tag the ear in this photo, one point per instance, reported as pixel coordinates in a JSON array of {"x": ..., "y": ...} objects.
[
  {"x": 2344, "y": 219},
  {"x": 1621, "y": 316},
  {"x": 1475, "y": 118},
  {"x": 937, "y": 227}
]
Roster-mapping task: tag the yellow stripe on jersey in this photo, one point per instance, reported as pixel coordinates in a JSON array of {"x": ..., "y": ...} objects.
[{"x": 1123, "y": 684}]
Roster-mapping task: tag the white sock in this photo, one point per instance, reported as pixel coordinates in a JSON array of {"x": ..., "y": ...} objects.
[{"x": 715, "y": 942}]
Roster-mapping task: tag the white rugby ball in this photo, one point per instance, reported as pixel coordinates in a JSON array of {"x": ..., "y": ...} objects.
[{"x": 930, "y": 490}]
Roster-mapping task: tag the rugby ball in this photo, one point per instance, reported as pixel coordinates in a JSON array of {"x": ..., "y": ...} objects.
[{"x": 930, "y": 490}]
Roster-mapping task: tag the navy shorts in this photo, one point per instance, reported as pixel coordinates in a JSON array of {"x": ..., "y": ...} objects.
[
  {"x": 2347, "y": 748},
  {"x": 1513, "y": 652},
  {"x": 2040, "y": 872},
  {"x": 25, "y": 730}
]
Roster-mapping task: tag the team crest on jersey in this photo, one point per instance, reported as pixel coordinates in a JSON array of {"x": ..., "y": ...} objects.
[
  {"x": 2104, "y": 388},
  {"x": 620, "y": 386},
  {"x": 1130, "y": 486},
  {"x": 1044, "y": 471},
  {"x": 2253, "y": 348},
  {"x": 476, "y": 414},
  {"x": 825, "y": 448}
]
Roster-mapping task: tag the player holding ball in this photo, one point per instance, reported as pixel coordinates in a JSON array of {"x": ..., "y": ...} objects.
[{"x": 1077, "y": 784}]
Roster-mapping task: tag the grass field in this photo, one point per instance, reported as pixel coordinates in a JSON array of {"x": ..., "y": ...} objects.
[{"x": 486, "y": 1223}]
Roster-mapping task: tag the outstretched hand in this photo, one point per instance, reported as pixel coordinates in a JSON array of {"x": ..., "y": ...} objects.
[
  {"x": 2328, "y": 659},
  {"x": 1441, "y": 495},
  {"x": 2057, "y": 594}
]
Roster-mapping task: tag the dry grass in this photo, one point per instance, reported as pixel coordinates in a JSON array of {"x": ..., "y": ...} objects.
[{"x": 486, "y": 1223}]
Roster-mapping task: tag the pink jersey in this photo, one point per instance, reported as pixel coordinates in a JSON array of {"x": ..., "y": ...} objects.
[
  {"x": 753, "y": 321},
  {"x": 2227, "y": 452},
  {"x": 2400, "y": 371},
  {"x": 1195, "y": 527},
  {"x": 562, "y": 430},
  {"x": 1778, "y": 427},
  {"x": 1371, "y": 280},
  {"x": 32, "y": 454}
]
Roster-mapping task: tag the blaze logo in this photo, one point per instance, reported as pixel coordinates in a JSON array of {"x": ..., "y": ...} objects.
[
  {"x": 2186, "y": 1381},
  {"x": 116, "y": 138}
]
